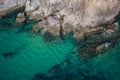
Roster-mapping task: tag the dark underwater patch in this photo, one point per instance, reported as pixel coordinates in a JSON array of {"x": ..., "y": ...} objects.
[{"x": 14, "y": 52}]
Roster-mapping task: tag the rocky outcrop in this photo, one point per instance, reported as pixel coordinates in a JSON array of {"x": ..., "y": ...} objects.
[
  {"x": 8, "y": 6},
  {"x": 76, "y": 16},
  {"x": 83, "y": 18},
  {"x": 92, "y": 22},
  {"x": 20, "y": 17},
  {"x": 98, "y": 41}
]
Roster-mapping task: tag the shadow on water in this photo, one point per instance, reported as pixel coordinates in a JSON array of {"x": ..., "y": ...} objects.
[
  {"x": 14, "y": 52},
  {"x": 9, "y": 19},
  {"x": 118, "y": 20},
  {"x": 26, "y": 27}
]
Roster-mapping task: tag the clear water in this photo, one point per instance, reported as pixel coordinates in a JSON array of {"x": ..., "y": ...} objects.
[{"x": 32, "y": 55}]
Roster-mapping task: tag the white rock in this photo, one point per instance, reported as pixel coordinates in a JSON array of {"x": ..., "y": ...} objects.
[{"x": 7, "y": 6}]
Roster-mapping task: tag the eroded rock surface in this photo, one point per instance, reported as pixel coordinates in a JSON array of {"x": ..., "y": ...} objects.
[
  {"x": 8, "y": 6},
  {"x": 76, "y": 16},
  {"x": 83, "y": 18},
  {"x": 92, "y": 22}
]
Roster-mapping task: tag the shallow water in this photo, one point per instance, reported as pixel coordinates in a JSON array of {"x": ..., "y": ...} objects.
[
  {"x": 31, "y": 54},
  {"x": 24, "y": 54}
]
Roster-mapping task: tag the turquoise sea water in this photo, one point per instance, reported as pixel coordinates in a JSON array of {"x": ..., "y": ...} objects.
[
  {"x": 23, "y": 55},
  {"x": 31, "y": 54}
]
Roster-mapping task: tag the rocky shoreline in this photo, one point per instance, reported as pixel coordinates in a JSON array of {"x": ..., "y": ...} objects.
[{"x": 93, "y": 23}]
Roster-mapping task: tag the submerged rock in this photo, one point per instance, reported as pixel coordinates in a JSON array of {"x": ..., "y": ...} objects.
[
  {"x": 14, "y": 52},
  {"x": 48, "y": 36},
  {"x": 91, "y": 22},
  {"x": 97, "y": 43}
]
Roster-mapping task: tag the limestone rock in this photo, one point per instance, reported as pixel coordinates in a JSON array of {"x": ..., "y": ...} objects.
[
  {"x": 82, "y": 14},
  {"x": 67, "y": 29},
  {"x": 91, "y": 21},
  {"x": 20, "y": 18},
  {"x": 8, "y": 6}
]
